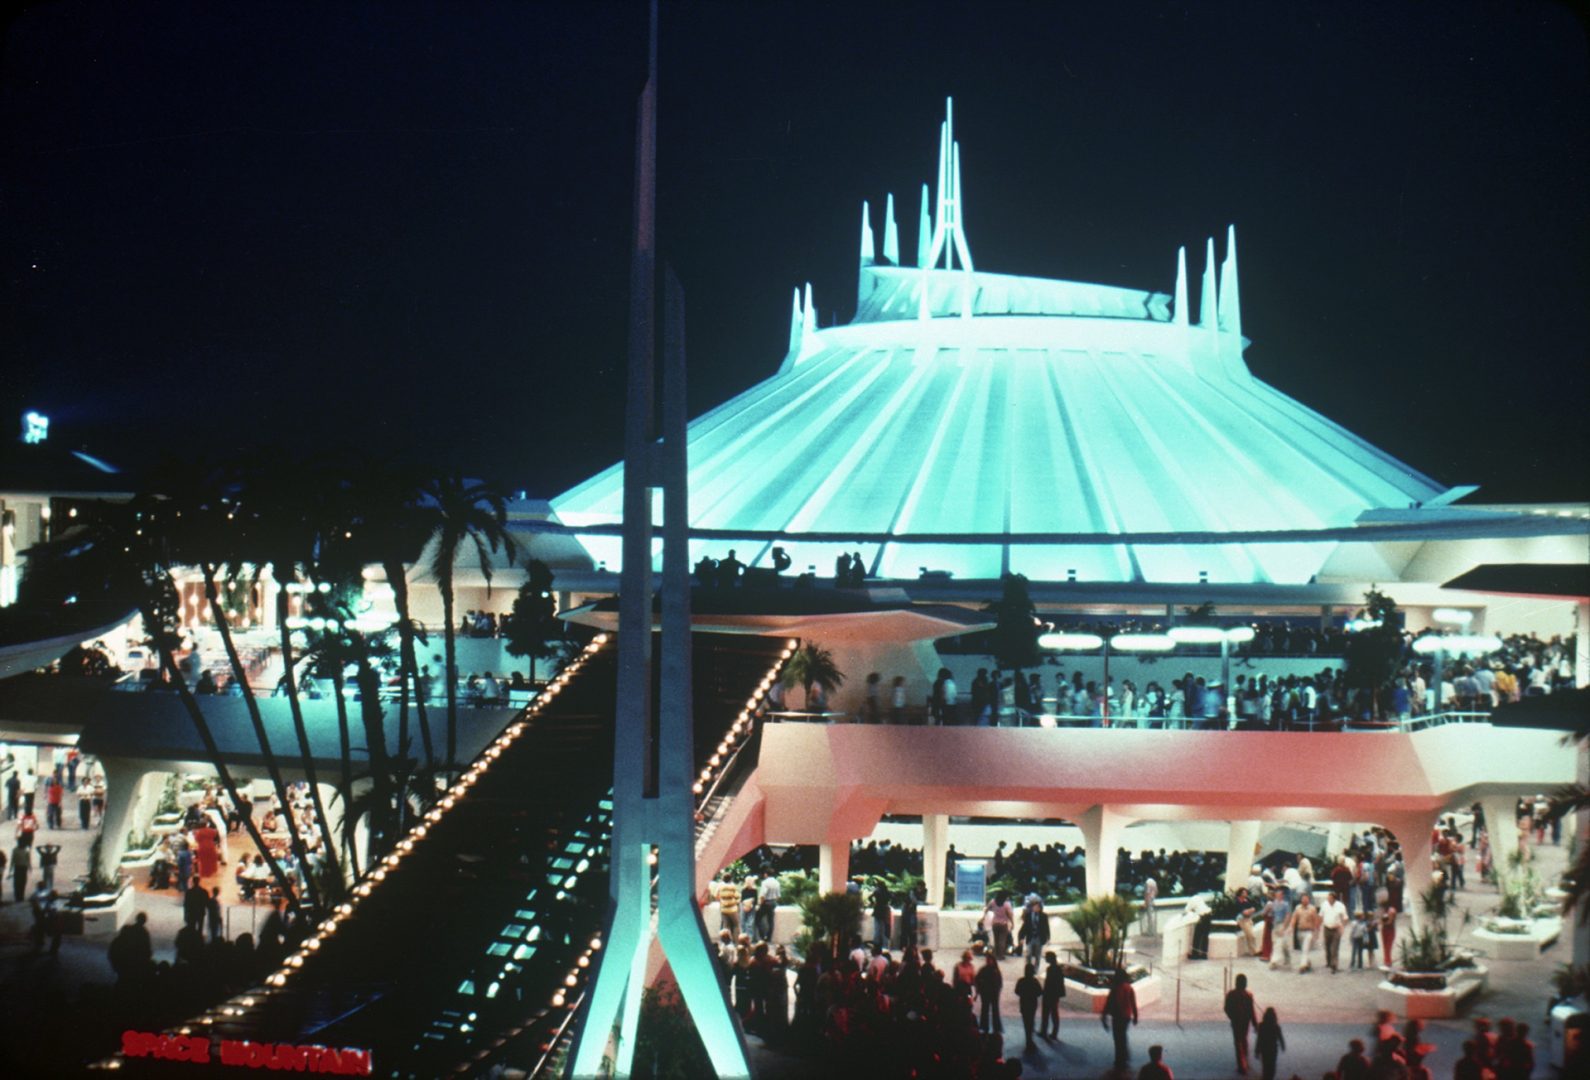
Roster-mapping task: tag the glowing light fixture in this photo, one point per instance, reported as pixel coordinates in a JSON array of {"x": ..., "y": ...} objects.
[
  {"x": 1452, "y": 616},
  {"x": 1457, "y": 644},
  {"x": 1142, "y": 643},
  {"x": 1073, "y": 642}
]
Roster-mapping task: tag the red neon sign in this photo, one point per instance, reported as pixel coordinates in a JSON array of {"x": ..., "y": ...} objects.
[{"x": 277, "y": 1057}]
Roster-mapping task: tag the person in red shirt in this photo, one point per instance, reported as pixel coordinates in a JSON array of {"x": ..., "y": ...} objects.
[
  {"x": 1156, "y": 1069},
  {"x": 1120, "y": 1007}
]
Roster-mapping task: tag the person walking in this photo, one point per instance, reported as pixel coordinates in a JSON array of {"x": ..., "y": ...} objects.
[
  {"x": 1333, "y": 920},
  {"x": 1029, "y": 991},
  {"x": 1054, "y": 988},
  {"x": 1270, "y": 1042},
  {"x": 1306, "y": 920},
  {"x": 1120, "y": 1007},
  {"x": 1283, "y": 925},
  {"x": 1243, "y": 1014},
  {"x": 989, "y": 983}
]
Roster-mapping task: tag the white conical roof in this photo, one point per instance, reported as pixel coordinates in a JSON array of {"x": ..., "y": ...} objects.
[{"x": 1005, "y": 407}]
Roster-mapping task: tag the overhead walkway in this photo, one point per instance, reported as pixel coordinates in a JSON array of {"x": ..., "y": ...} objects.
[
  {"x": 468, "y": 947},
  {"x": 833, "y": 783}
]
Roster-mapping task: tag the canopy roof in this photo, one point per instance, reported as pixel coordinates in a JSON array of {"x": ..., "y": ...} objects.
[{"x": 994, "y": 406}]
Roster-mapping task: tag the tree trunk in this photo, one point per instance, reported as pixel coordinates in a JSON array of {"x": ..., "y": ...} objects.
[
  {"x": 302, "y": 732},
  {"x": 446, "y": 582},
  {"x": 408, "y": 660},
  {"x": 347, "y": 772},
  {"x": 207, "y": 737},
  {"x": 219, "y": 615},
  {"x": 380, "y": 766}
]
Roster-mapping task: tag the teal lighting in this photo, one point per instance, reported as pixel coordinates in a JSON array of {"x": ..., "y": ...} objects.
[
  {"x": 35, "y": 427},
  {"x": 961, "y": 410}
]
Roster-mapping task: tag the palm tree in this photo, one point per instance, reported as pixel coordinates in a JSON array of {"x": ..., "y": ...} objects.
[
  {"x": 210, "y": 537},
  {"x": 1575, "y": 799},
  {"x": 812, "y": 666},
  {"x": 281, "y": 531},
  {"x": 125, "y": 549},
  {"x": 463, "y": 510}
]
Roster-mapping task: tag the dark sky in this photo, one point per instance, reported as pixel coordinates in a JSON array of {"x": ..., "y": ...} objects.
[{"x": 405, "y": 225}]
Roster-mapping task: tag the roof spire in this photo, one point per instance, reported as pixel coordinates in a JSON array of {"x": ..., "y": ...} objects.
[
  {"x": 1206, "y": 295},
  {"x": 1181, "y": 286},
  {"x": 1230, "y": 302},
  {"x": 948, "y": 237},
  {"x": 795, "y": 323},
  {"x": 869, "y": 248},
  {"x": 924, "y": 232},
  {"x": 891, "y": 234},
  {"x": 809, "y": 316}
]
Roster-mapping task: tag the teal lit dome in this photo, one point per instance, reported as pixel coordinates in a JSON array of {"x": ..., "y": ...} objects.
[{"x": 987, "y": 423}]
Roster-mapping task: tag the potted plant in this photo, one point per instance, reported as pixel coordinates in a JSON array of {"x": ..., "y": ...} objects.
[
  {"x": 1101, "y": 924},
  {"x": 812, "y": 667},
  {"x": 831, "y": 919},
  {"x": 98, "y": 892}
]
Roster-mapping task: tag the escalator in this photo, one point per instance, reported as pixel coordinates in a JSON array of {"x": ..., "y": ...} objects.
[{"x": 469, "y": 946}]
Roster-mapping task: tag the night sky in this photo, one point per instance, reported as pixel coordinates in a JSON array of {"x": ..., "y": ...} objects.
[{"x": 405, "y": 226}]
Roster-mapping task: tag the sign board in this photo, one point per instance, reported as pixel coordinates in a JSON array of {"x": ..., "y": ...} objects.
[{"x": 971, "y": 883}]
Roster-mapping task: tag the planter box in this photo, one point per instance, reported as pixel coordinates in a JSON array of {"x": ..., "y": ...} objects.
[
  {"x": 1441, "y": 1004},
  {"x": 105, "y": 914},
  {"x": 1224, "y": 945},
  {"x": 1090, "y": 999},
  {"x": 1526, "y": 946},
  {"x": 137, "y": 859}
]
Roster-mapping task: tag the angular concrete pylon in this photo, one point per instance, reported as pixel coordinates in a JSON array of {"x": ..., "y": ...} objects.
[
  {"x": 1230, "y": 299},
  {"x": 891, "y": 234},
  {"x": 653, "y": 817},
  {"x": 869, "y": 245},
  {"x": 1180, "y": 314},
  {"x": 1208, "y": 317}
]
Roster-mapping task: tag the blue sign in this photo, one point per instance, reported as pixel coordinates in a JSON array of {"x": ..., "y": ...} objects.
[{"x": 971, "y": 883}]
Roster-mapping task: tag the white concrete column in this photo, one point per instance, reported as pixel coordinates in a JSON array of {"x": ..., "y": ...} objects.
[
  {"x": 1240, "y": 852},
  {"x": 1413, "y": 833},
  {"x": 935, "y": 844},
  {"x": 1501, "y": 824},
  {"x": 128, "y": 803},
  {"x": 1581, "y": 652},
  {"x": 833, "y": 865},
  {"x": 1581, "y": 829},
  {"x": 1102, "y": 830}
]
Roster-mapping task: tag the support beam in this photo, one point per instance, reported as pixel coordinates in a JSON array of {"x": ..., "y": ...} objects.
[
  {"x": 1501, "y": 824},
  {"x": 1240, "y": 852},
  {"x": 833, "y": 865},
  {"x": 935, "y": 847},
  {"x": 1102, "y": 830},
  {"x": 1413, "y": 834}
]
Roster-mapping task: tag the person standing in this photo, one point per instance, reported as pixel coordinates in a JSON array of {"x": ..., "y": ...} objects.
[
  {"x": 729, "y": 907},
  {"x": 882, "y": 917},
  {"x": 1029, "y": 991},
  {"x": 1120, "y": 1007},
  {"x": 21, "y": 868},
  {"x": 13, "y": 795},
  {"x": 1003, "y": 919},
  {"x": 1034, "y": 932},
  {"x": 1054, "y": 988},
  {"x": 1243, "y": 1014},
  {"x": 767, "y": 900},
  {"x": 85, "y": 804},
  {"x": 195, "y": 903},
  {"x": 1282, "y": 925},
  {"x": 1333, "y": 920},
  {"x": 54, "y": 793},
  {"x": 1388, "y": 929},
  {"x": 1150, "y": 894},
  {"x": 908, "y": 920},
  {"x": 212, "y": 911},
  {"x": 989, "y": 983},
  {"x": 49, "y": 855},
  {"x": 1270, "y": 1042},
  {"x": 29, "y": 785}
]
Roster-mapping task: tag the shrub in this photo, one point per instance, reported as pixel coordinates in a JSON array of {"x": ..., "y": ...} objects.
[
  {"x": 1101, "y": 922},
  {"x": 833, "y": 918}
]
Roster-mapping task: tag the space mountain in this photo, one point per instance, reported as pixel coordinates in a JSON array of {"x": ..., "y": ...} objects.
[{"x": 972, "y": 424}]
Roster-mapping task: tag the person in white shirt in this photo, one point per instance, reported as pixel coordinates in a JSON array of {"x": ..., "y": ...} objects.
[
  {"x": 1333, "y": 920},
  {"x": 767, "y": 898}
]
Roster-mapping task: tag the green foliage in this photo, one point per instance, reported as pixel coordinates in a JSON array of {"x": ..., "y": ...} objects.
[
  {"x": 795, "y": 886},
  {"x": 1521, "y": 894},
  {"x": 812, "y": 665},
  {"x": 533, "y": 629},
  {"x": 736, "y": 872},
  {"x": 667, "y": 1045},
  {"x": 1101, "y": 922},
  {"x": 832, "y": 918},
  {"x": 168, "y": 798},
  {"x": 1016, "y": 625},
  {"x": 99, "y": 882},
  {"x": 1224, "y": 906},
  {"x": 1431, "y": 949},
  {"x": 140, "y": 841},
  {"x": 1373, "y": 655}
]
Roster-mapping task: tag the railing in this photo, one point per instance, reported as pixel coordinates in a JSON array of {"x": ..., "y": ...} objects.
[{"x": 1021, "y": 719}]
